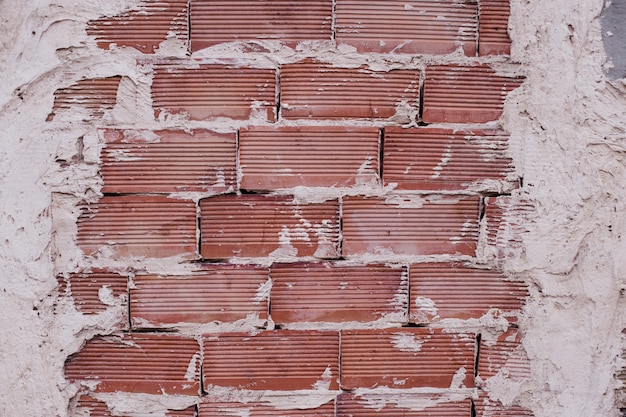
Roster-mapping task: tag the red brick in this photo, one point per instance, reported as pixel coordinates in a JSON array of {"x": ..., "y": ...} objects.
[
  {"x": 453, "y": 291},
  {"x": 406, "y": 358},
  {"x": 93, "y": 96},
  {"x": 148, "y": 363},
  {"x": 493, "y": 21},
  {"x": 209, "y": 408},
  {"x": 506, "y": 222},
  {"x": 404, "y": 404},
  {"x": 445, "y": 159},
  {"x": 85, "y": 288},
  {"x": 315, "y": 156},
  {"x": 489, "y": 408},
  {"x": 168, "y": 161},
  {"x": 506, "y": 357},
  {"x": 209, "y": 92},
  {"x": 397, "y": 26},
  {"x": 220, "y": 293},
  {"x": 97, "y": 408},
  {"x": 254, "y": 226},
  {"x": 143, "y": 28},
  {"x": 311, "y": 89},
  {"x": 465, "y": 94},
  {"x": 272, "y": 360},
  {"x": 336, "y": 293},
  {"x": 139, "y": 226},
  {"x": 401, "y": 226},
  {"x": 290, "y": 22}
]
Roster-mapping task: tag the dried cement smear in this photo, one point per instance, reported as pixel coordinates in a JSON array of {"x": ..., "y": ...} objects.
[{"x": 568, "y": 125}]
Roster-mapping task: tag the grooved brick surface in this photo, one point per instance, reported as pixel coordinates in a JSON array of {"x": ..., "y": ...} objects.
[
  {"x": 314, "y": 156},
  {"x": 143, "y": 28},
  {"x": 209, "y": 408},
  {"x": 255, "y": 226},
  {"x": 310, "y": 89},
  {"x": 444, "y": 159},
  {"x": 425, "y": 27},
  {"x": 403, "y": 226},
  {"x": 406, "y": 405},
  {"x": 465, "y": 93},
  {"x": 333, "y": 292},
  {"x": 406, "y": 358},
  {"x": 221, "y": 293},
  {"x": 147, "y": 363},
  {"x": 139, "y": 226},
  {"x": 91, "y": 289},
  {"x": 168, "y": 161},
  {"x": 505, "y": 357},
  {"x": 277, "y": 360},
  {"x": 447, "y": 291},
  {"x": 487, "y": 408},
  {"x": 493, "y": 20},
  {"x": 290, "y": 22},
  {"x": 97, "y": 408},
  {"x": 209, "y": 92},
  {"x": 93, "y": 96}
]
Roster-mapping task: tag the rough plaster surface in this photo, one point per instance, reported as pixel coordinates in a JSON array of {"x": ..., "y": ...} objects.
[{"x": 568, "y": 125}]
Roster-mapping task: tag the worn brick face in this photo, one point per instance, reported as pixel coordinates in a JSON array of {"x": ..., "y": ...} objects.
[
  {"x": 406, "y": 358},
  {"x": 149, "y": 363},
  {"x": 401, "y": 404},
  {"x": 425, "y": 27},
  {"x": 445, "y": 159},
  {"x": 143, "y": 28},
  {"x": 209, "y": 408},
  {"x": 256, "y": 226},
  {"x": 289, "y": 22},
  {"x": 90, "y": 96},
  {"x": 168, "y": 161},
  {"x": 139, "y": 226},
  {"x": 92, "y": 290},
  {"x": 313, "y": 156},
  {"x": 310, "y": 89},
  {"x": 209, "y": 92},
  {"x": 465, "y": 93},
  {"x": 277, "y": 360},
  {"x": 401, "y": 226},
  {"x": 217, "y": 293},
  {"x": 506, "y": 357},
  {"x": 337, "y": 293}
]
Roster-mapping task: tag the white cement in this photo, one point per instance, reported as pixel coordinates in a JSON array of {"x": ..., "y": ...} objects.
[{"x": 567, "y": 123}]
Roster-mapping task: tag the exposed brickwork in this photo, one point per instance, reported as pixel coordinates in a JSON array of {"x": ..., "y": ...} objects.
[{"x": 295, "y": 238}]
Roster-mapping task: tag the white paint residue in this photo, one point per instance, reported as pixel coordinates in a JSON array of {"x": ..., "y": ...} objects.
[
  {"x": 106, "y": 296},
  {"x": 263, "y": 292},
  {"x": 458, "y": 380},
  {"x": 193, "y": 367},
  {"x": 445, "y": 159},
  {"x": 366, "y": 175},
  {"x": 141, "y": 136},
  {"x": 122, "y": 155},
  {"x": 220, "y": 178},
  {"x": 426, "y": 309},
  {"x": 325, "y": 380},
  {"x": 407, "y": 342}
]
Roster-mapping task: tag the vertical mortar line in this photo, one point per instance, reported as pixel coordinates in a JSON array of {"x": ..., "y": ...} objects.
[
  {"x": 189, "y": 27},
  {"x": 422, "y": 82},
  {"x": 238, "y": 172},
  {"x": 277, "y": 95},
  {"x": 340, "y": 225},
  {"x": 196, "y": 410},
  {"x": 198, "y": 229},
  {"x": 128, "y": 284},
  {"x": 477, "y": 353},
  {"x": 472, "y": 408},
  {"x": 481, "y": 209},
  {"x": 381, "y": 154},
  {"x": 333, "y": 21},
  {"x": 478, "y": 28},
  {"x": 339, "y": 367},
  {"x": 269, "y": 298},
  {"x": 408, "y": 293}
]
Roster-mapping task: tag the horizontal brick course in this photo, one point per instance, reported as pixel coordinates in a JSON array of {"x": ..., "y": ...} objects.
[
  {"x": 313, "y": 156},
  {"x": 148, "y": 363},
  {"x": 255, "y": 226},
  {"x": 410, "y": 227},
  {"x": 210, "y": 92},
  {"x": 310, "y": 89},
  {"x": 143, "y": 28},
  {"x": 97, "y": 408},
  {"x": 465, "y": 93},
  {"x": 289, "y": 22},
  {"x": 453, "y": 291},
  {"x": 139, "y": 226},
  {"x": 168, "y": 161},
  {"x": 444, "y": 159},
  {"x": 217, "y": 293},
  {"x": 278, "y": 360},
  {"x": 331, "y": 292},
  {"x": 210, "y": 408},
  {"x": 402, "y": 404},
  {"x": 397, "y": 26},
  {"x": 406, "y": 358}
]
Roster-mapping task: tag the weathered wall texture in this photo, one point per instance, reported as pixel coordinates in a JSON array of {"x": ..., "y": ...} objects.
[{"x": 79, "y": 117}]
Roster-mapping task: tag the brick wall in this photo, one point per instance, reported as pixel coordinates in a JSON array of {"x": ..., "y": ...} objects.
[{"x": 335, "y": 190}]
